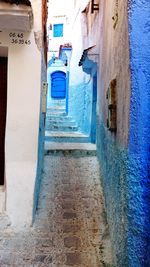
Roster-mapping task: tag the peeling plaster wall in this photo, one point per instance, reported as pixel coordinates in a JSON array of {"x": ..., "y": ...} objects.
[
  {"x": 112, "y": 148},
  {"x": 22, "y": 125},
  {"x": 139, "y": 135}
]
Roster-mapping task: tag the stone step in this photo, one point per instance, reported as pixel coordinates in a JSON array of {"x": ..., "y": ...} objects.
[
  {"x": 72, "y": 149},
  {"x": 56, "y": 113},
  {"x": 58, "y": 107},
  {"x": 59, "y": 119},
  {"x": 77, "y": 137},
  {"x": 64, "y": 123},
  {"x": 58, "y": 102},
  {"x": 64, "y": 128},
  {"x": 53, "y": 111}
]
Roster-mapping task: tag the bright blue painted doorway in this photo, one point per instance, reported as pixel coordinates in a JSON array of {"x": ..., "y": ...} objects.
[{"x": 58, "y": 85}]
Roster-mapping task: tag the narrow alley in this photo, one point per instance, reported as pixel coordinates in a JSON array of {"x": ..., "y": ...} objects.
[
  {"x": 70, "y": 226},
  {"x": 75, "y": 133}
]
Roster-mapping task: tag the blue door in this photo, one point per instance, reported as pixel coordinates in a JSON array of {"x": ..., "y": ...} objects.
[{"x": 58, "y": 85}]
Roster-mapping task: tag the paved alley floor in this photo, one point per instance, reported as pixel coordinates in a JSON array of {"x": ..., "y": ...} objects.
[{"x": 70, "y": 227}]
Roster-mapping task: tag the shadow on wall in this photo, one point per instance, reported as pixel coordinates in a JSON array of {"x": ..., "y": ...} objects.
[{"x": 40, "y": 145}]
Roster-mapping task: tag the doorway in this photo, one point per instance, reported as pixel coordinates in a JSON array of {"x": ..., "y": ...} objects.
[
  {"x": 58, "y": 85},
  {"x": 3, "y": 107}
]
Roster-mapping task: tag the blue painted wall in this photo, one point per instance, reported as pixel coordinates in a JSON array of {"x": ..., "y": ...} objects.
[
  {"x": 126, "y": 168},
  {"x": 80, "y": 105},
  {"x": 40, "y": 156},
  {"x": 113, "y": 162},
  {"x": 67, "y": 91},
  {"x": 83, "y": 99},
  {"x": 139, "y": 136}
]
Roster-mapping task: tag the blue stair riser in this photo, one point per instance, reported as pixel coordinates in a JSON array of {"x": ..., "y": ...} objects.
[
  {"x": 56, "y": 114},
  {"x": 75, "y": 153},
  {"x": 52, "y": 111},
  {"x": 61, "y": 128},
  {"x": 59, "y": 103},
  {"x": 60, "y": 123},
  {"x": 57, "y": 117},
  {"x": 68, "y": 139}
]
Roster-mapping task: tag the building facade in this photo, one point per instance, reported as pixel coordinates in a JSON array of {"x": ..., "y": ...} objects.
[{"x": 21, "y": 45}]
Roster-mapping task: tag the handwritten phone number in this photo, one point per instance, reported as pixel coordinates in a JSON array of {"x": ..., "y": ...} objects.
[
  {"x": 20, "y": 41},
  {"x": 18, "y": 38}
]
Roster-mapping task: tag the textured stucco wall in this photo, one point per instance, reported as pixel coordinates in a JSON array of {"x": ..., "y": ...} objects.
[
  {"x": 114, "y": 63},
  {"x": 139, "y": 135},
  {"x": 89, "y": 22},
  {"x": 80, "y": 105},
  {"x": 124, "y": 156},
  {"x": 111, "y": 147},
  {"x": 113, "y": 163},
  {"x": 80, "y": 83}
]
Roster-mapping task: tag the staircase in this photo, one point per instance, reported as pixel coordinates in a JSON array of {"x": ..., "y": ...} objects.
[
  {"x": 61, "y": 122},
  {"x": 62, "y": 128}
]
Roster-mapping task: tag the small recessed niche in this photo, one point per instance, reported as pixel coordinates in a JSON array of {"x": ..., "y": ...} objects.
[
  {"x": 115, "y": 15},
  {"x": 115, "y": 20},
  {"x": 112, "y": 106}
]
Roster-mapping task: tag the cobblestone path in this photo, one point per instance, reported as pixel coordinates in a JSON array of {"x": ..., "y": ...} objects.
[{"x": 70, "y": 228}]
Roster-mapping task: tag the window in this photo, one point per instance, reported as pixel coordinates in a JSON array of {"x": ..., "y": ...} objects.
[{"x": 58, "y": 30}]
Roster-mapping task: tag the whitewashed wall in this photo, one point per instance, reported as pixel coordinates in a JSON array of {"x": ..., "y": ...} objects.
[{"x": 22, "y": 124}]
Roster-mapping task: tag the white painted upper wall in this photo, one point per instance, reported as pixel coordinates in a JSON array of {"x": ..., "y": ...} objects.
[
  {"x": 57, "y": 8},
  {"x": 76, "y": 73},
  {"x": 60, "y": 12},
  {"x": 37, "y": 14},
  {"x": 22, "y": 124},
  {"x": 82, "y": 38}
]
